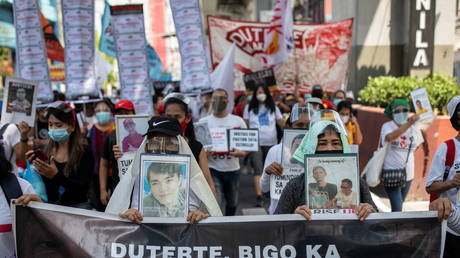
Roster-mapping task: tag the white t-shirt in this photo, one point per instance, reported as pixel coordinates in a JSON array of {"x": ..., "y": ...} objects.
[
  {"x": 11, "y": 137},
  {"x": 265, "y": 121},
  {"x": 345, "y": 201},
  {"x": 7, "y": 238},
  {"x": 224, "y": 162},
  {"x": 437, "y": 172},
  {"x": 273, "y": 155},
  {"x": 397, "y": 151}
]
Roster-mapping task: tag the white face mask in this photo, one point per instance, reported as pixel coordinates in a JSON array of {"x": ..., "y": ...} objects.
[
  {"x": 261, "y": 97},
  {"x": 345, "y": 119}
]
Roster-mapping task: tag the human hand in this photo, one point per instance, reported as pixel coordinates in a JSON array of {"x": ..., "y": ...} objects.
[
  {"x": 45, "y": 169},
  {"x": 24, "y": 129},
  {"x": 364, "y": 209},
  {"x": 30, "y": 155},
  {"x": 105, "y": 197},
  {"x": 117, "y": 152},
  {"x": 133, "y": 215},
  {"x": 413, "y": 119},
  {"x": 304, "y": 211},
  {"x": 26, "y": 198},
  {"x": 274, "y": 169},
  {"x": 455, "y": 181},
  {"x": 353, "y": 119},
  {"x": 443, "y": 206},
  {"x": 194, "y": 217},
  {"x": 237, "y": 153}
]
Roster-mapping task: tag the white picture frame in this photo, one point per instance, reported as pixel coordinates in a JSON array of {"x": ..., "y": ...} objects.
[
  {"x": 132, "y": 126},
  {"x": 19, "y": 101}
]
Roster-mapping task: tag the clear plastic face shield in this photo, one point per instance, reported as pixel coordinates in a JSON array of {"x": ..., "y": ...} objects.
[
  {"x": 162, "y": 145},
  {"x": 301, "y": 115},
  {"x": 178, "y": 96},
  {"x": 219, "y": 102},
  {"x": 328, "y": 115}
]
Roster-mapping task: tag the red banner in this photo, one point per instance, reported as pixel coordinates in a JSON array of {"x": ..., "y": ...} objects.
[{"x": 320, "y": 56}]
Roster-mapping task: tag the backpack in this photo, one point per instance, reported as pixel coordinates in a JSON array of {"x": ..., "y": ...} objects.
[
  {"x": 10, "y": 186},
  {"x": 450, "y": 156}
]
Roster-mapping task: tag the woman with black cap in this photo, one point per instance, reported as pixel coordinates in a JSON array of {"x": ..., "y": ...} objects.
[{"x": 61, "y": 165}]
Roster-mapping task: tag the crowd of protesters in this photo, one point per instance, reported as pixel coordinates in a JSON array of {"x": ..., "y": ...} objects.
[{"x": 74, "y": 150}]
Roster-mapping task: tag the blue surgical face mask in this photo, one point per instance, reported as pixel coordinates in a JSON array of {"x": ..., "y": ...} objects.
[
  {"x": 400, "y": 118},
  {"x": 58, "y": 135},
  {"x": 249, "y": 97},
  {"x": 337, "y": 101},
  {"x": 103, "y": 117}
]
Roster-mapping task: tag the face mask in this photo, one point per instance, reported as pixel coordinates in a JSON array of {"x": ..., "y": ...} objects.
[
  {"x": 183, "y": 126},
  {"x": 400, "y": 118},
  {"x": 261, "y": 97},
  {"x": 337, "y": 101},
  {"x": 58, "y": 135},
  {"x": 249, "y": 97},
  {"x": 345, "y": 119},
  {"x": 103, "y": 117},
  {"x": 219, "y": 104},
  {"x": 329, "y": 152}
]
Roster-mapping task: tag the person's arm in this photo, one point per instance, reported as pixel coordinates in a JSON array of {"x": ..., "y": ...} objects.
[
  {"x": 365, "y": 194},
  {"x": 103, "y": 171},
  {"x": 279, "y": 118},
  {"x": 22, "y": 147},
  {"x": 357, "y": 134},
  {"x": 401, "y": 129},
  {"x": 288, "y": 202},
  {"x": 440, "y": 187},
  {"x": 426, "y": 150},
  {"x": 203, "y": 162},
  {"x": 435, "y": 183}
]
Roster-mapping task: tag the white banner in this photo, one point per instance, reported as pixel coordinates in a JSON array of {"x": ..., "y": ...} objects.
[
  {"x": 129, "y": 34},
  {"x": 31, "y": 59},
  {"x": 195, "y": 65},
  {"x": 78, "y": 19}
]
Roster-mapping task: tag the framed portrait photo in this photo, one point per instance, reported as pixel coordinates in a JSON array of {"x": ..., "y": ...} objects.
[
  {"x": 130, "y": 131},
  {"x": 202, "y": 133},
  {"x": 19, "y": 101},
  {"x": 332, "y": 181},
  {"x": 164, "y": 181}
]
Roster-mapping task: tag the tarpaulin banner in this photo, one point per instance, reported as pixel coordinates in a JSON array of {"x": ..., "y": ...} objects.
[
  {"x": 68, "y": 232},
  {"x": 78, "y": 17},
  {"x": 131, "y": 48},
  {"x": 320, "y": 56},
  {"x": 195, "y": 66},
  {"x": 31, "y": 59}
]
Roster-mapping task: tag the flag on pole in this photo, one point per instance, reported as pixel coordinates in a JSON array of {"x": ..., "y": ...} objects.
[
  {"x": 106, "y": 42},
  {"x": 278, "y": 39},
  {"x": 223, "y": 76}
]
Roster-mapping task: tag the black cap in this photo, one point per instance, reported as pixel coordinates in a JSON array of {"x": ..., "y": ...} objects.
[
  {"x": 317, "y": 87},
  {"x": 165, "y": 125}
]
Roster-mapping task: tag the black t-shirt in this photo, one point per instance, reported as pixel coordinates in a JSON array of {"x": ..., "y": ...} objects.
[
  {"x": 107, "y": 153},
  {"x": 42, "y": 130},
  {"x": 196, "y": 148},
  {"x": 73, "y": 189}
]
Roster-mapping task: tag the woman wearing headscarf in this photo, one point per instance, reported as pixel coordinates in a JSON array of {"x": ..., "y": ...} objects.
[
  {"x": 324, "y": 137},
  {"x": 403, "y": 138}
]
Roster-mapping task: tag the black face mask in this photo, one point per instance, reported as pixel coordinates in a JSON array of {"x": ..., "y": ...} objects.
[{"x": 329, "y": 152}]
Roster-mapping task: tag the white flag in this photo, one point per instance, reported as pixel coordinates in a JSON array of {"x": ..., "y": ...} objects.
[
  {"x": 278, "y": 40},
  {"x": 223, "y": 76}
]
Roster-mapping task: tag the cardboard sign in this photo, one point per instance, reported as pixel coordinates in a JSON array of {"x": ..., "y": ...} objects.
[
  {"x": 421, "y": 103},
  {"x": 243, "y": 139},
  {"x": 124, "y": 163}
]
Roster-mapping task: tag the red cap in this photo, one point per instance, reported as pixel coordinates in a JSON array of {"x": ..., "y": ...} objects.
[{"x": 124, "y": 104}]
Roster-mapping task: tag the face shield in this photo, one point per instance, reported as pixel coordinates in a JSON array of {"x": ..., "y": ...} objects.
[
  {"x": 178, "y": 96},
  {"x": 328, "y": 115},
  {"x": 162, "y": 145},
  {"x": 301, "y": 115},
  {"x": 219, "y": 103}
]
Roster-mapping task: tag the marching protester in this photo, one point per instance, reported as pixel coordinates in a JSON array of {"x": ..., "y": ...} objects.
[
  {"x": 11, "y": 187},
  {"x": 444, "y": 181},
  {"x": 14, "y": 139},
  {"x": 40, "y": 132},
  {"x": 354, "y": 134},
  {"x": 103, "y": 111},
  {"x": 205, "y": 109},
  {"x": 299, "y": 118},
  {"x": 108, "y": 166},
  {"x": 317, "y": 92},
  {"x": 224, "y": 167},
  {"x": 338, "y": 97},
  {"x": 66, "y": 164},
  {"x": 264, "y": 115},
  {"x": 323, "y": 137},
  {"x": 176, "y": 106},
  {"x": 404, "y": 138},
  {"x": 164, "y": 136}
]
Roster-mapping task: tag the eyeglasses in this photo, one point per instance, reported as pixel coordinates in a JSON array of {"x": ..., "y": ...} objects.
[{"x": 397, "y": 111}]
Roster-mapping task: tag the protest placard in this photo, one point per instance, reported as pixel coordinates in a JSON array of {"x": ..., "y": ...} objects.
[
  {"x": 264, "y": 78},
  {"x": 19, "y": 101},
  {"x": 130, "y": 131},
  {"x": 124, "y": 162},
  {"x": 421, "y": 103},
  {"x": 332, "y": 181},
  {"x": 202, "y": 133},
  {"x": 243, "y": 139},
  {"x": 219, "y": 138},
  {"x": 164, "y": 185},
  {"x": 291, "y": 168}
]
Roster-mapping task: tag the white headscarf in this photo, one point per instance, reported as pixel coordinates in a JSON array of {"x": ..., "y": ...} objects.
[{"x": 120, "y": 200}]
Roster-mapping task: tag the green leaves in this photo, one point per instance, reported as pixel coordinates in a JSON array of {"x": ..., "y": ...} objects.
[{"x": 380, "y": 91}]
